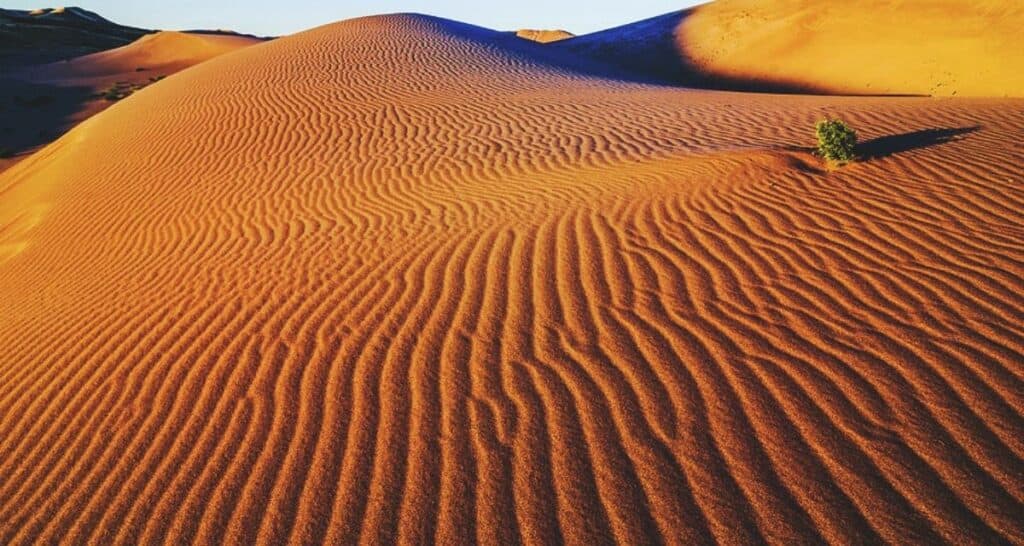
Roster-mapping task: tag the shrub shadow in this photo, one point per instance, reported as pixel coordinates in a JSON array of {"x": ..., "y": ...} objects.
[{"x": 895, "y": 144}]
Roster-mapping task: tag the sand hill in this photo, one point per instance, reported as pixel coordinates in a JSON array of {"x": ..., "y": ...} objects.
[
  {"x": 51, "y": 34},
  {"x": 544, "y": 36},
  {"x": 917, "y": 47},
  {"x": 41, "y": 102},
  {"x": 404, "y": 279},
  {"x": 163, "y": 52}
]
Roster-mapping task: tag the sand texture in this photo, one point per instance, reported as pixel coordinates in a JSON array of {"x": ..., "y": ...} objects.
[{"x": 399, "y": 279}]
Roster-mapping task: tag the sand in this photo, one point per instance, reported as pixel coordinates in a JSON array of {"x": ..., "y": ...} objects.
[
  {"x": 41, "y": 102},
  {"x": 399, "y": 279},
  {"x": 873, "y": 47},
  {"x": 919, "y": 47},
  {"x": 163, "y": 53},
  {"x": 544, "y": 36},
  {"x": 46, "y": 35}
]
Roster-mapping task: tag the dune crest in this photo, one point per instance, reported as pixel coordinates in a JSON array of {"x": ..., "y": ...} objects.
[{"x": 404, "y": 280}]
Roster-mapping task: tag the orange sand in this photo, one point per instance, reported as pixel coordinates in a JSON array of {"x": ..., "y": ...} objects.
[
  {"x": 922, "y": 47},
  {"x": 544, "y": 36},
  {"x": 401, "y": 279},
  {"x": 164, "y": 53},
  {"x": 73, "y": 91},
  {"x": 872, "y": 47}
]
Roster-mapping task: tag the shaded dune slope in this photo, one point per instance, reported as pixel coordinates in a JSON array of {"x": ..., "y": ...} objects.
[
  {"x": 390, "y": 279},
  {"x": 872, "y": 47}
]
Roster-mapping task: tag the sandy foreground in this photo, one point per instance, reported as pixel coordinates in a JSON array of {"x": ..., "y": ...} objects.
[{"x": 401, "y": 279}]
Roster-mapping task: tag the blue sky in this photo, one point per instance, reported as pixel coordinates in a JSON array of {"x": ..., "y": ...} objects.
[{"x": 276, "y": 17}]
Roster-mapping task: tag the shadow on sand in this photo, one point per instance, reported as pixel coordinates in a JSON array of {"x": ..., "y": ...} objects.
[
  {"x": 895, "y": 144},
  {"x": 645, "y": 52},
  {"x": 34, "y": 114}
]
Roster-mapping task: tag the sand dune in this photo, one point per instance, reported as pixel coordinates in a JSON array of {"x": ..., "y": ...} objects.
[
  {"x": 164, "y": 52},
  {"x": 403, "y": 279},
  {"x": 47, "y": 35},
  {"x": 544, "y": 36},
  {"x": 41, "y": 102},
  {"x": 872, "y": 47}
]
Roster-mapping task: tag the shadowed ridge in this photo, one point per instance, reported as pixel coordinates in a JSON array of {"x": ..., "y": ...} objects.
[
  {"x": 648, "y": 51},
  {"x": 539, "y": 54}
]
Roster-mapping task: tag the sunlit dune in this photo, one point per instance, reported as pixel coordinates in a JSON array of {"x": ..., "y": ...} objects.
[
  {"x": 163, "y": 52},
  {"x": 404, "y": 280},
  {"x": 544, "y": 36},
  {"x": 871, "y": 47}
]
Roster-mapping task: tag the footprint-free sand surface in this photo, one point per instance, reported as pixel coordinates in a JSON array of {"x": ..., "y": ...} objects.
[
  {"x": 873, "y": 47},
  {"x": 399, "y": 279}
]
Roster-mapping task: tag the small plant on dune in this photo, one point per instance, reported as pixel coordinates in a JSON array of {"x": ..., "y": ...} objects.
[
  {"x": 836, "y": 140},
  {"x": 6, "y": 152}
]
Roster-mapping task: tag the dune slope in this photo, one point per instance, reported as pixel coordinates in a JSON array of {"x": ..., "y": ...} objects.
[
  {"x": 163, "y": 52},
  {"x": 872, "y": 47},
  {"x": 401, "y": 279},
  {"x": 39, "y": 103}
]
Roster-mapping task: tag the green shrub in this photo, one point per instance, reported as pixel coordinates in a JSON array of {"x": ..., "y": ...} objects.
[{"x": 836, "y": 140}]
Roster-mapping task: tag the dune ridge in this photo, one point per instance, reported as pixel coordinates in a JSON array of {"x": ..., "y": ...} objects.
[{"x": 393, "y": 280}]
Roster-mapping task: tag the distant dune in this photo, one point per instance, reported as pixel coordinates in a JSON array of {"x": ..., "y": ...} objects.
[
  {"x": 913, "y": 47},
  {"x": 544, "y": 36},
  {"x": 402, "y": 280},
  {"x": 162, "y": 52},
  {"x": 40, "y": 100},
  {"x": 47, "y": 35}
]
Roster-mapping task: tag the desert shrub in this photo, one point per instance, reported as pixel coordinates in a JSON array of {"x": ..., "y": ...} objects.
[
  {"x": 836, "y": 140},
  {"x": 6, "y": 152}
]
